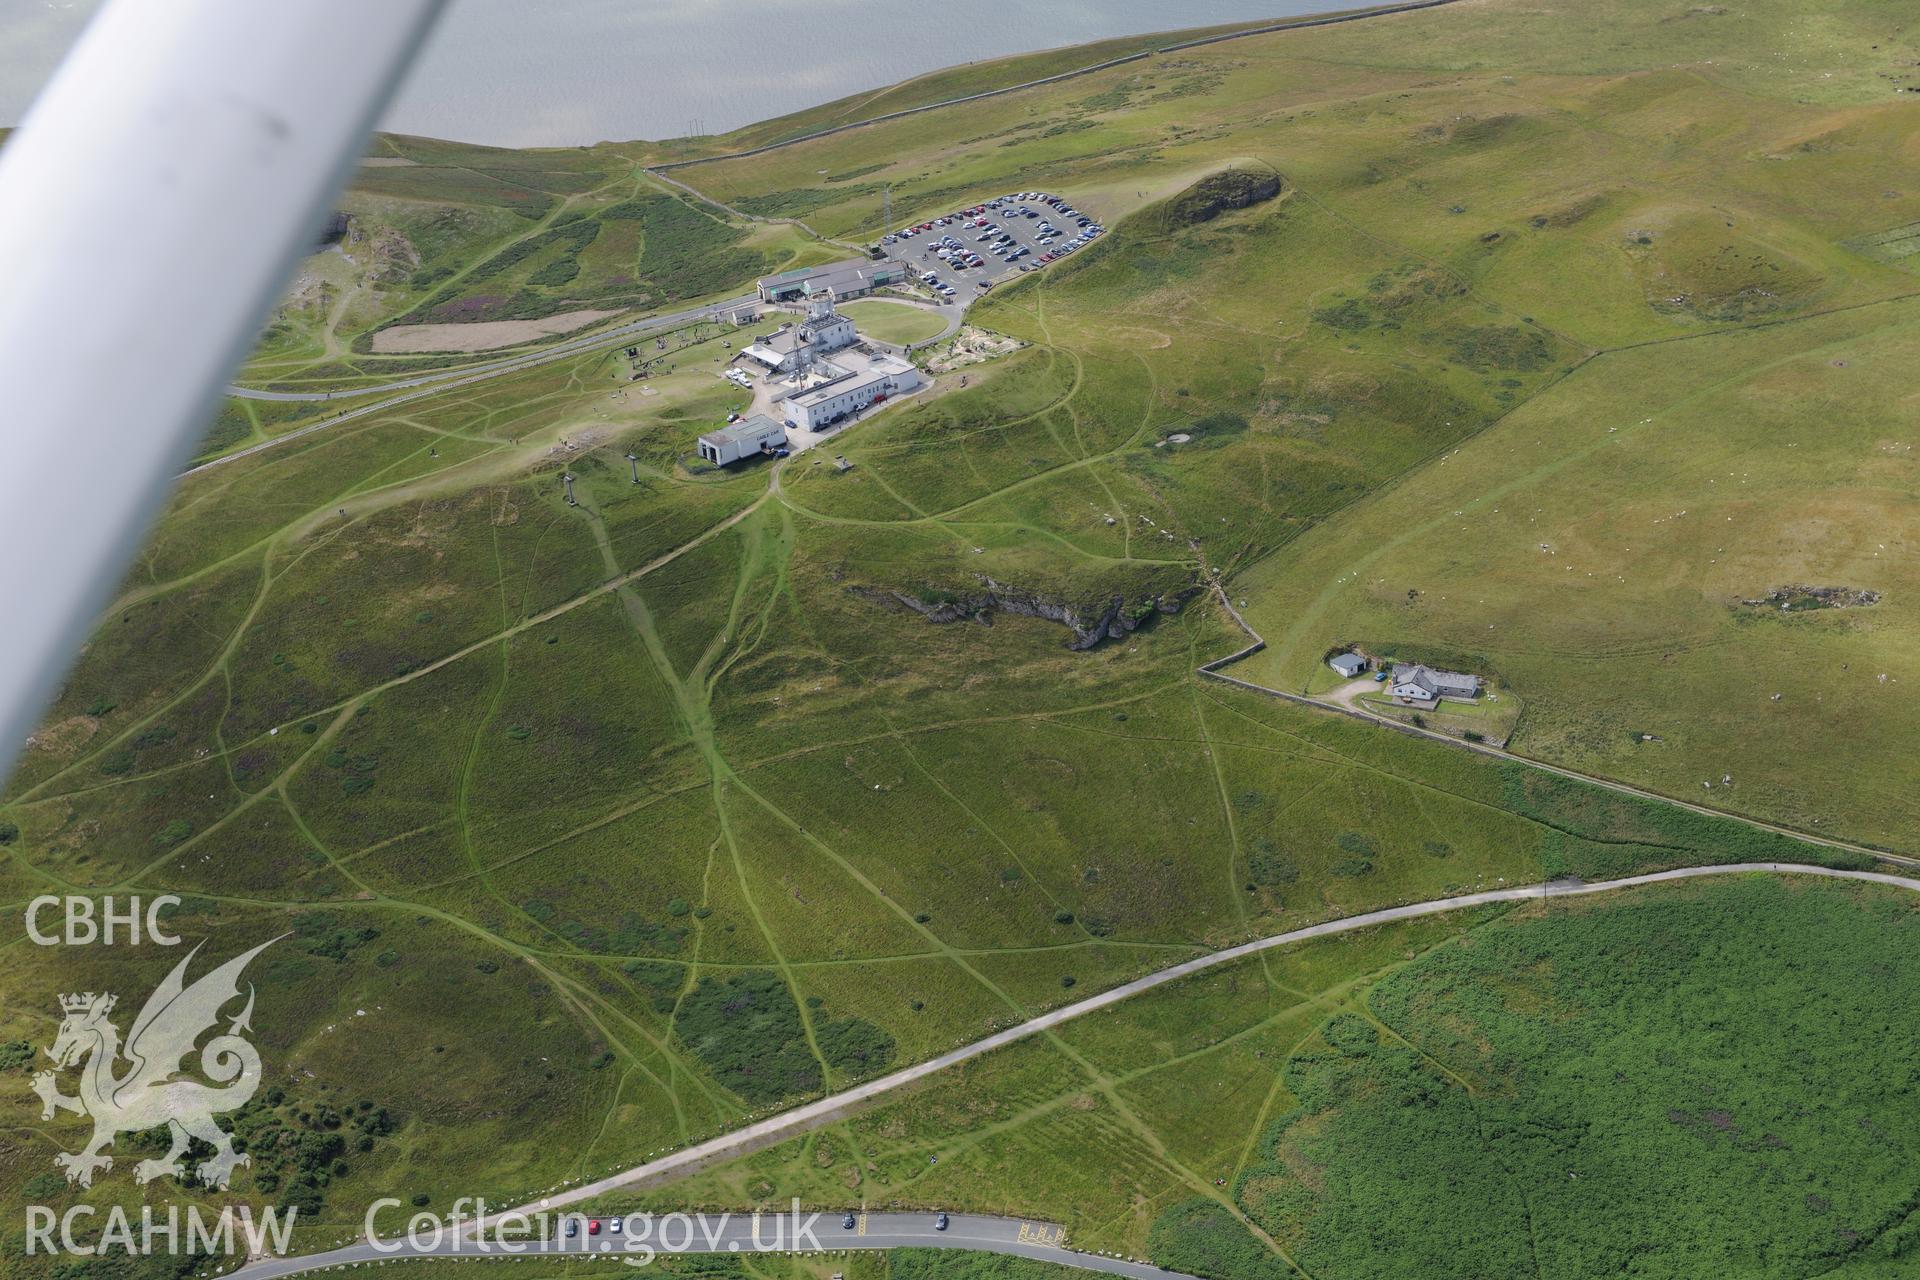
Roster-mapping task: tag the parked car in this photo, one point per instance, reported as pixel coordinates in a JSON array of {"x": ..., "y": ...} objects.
[
  {"x": 593, "y": 1226},
  {"x": 573, "y": 1227},
  {"x": 846, "y": 1223},
  {"x": 616, "y": 1225}
]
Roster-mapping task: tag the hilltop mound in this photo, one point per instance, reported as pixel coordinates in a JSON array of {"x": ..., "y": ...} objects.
[{"x": 1212, "y": 196}]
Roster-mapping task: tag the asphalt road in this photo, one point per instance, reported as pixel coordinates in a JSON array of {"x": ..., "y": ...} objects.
[
  {"x": 975, "y": 1233},
  {"x": 731, "y": 1233},
  {"x": 586, "y": 342},
  {"x": 800, "y": 1119},
  {"x": 431, "y": 384},
  {"x": 916, "y": 252}
]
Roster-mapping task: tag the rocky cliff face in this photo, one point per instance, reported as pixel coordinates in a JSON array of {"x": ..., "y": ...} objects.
[
  {"x": 333, "y": 230},
  {"x": 1111, "y": 618},
  {"x": 1213, "y": 195}
]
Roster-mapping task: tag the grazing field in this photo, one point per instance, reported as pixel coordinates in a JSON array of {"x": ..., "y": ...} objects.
[
  {"x": 1649, "y": 498},
  {"x": 1562, "y": 342}
]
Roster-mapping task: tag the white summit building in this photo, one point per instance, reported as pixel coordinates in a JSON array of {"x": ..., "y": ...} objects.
[
  {"x": 758, "y": 434},
  {"x": 838, "y": 393},
  {"x": 793, "y": 346}
]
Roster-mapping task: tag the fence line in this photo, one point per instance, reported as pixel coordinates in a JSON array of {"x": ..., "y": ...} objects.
[{"x": 1294, "y": 24}]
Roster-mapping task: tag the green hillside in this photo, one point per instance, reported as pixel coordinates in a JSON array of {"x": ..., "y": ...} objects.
[
  {"x": 1645, "y": 1082},
  {"x": 1562, "y": 341}
]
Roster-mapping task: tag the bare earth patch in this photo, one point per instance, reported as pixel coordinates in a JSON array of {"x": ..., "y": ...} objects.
[
  {"x": 972, "y": 346},
  {"x": 65, "y": 737},
  {"x": 482, "y": 335}
]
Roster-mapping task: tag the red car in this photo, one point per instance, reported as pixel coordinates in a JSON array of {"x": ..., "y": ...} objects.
[{"x": 593, "y": 1226}]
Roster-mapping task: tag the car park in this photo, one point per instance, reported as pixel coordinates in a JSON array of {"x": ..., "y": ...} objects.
[{"x": 988, "y": 241}]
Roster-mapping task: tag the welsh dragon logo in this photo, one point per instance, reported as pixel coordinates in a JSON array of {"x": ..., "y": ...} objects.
[{"x": 152, "y": 1091}]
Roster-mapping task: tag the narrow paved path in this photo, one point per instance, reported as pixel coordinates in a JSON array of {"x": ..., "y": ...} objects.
[
  {"x": 776, "y": 1128},
  {"x": 801, "y": 1119},
  {"x": 432, "y": 384}
]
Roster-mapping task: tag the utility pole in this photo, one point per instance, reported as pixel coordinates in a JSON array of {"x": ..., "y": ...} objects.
[{"x": 633, "y": 460}]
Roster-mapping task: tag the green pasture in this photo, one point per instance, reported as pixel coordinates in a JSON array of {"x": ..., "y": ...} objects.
[{"x": 893, "y": 321}]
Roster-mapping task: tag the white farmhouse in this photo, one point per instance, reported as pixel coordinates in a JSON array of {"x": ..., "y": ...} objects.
[{"x": 1416, "y": 685}]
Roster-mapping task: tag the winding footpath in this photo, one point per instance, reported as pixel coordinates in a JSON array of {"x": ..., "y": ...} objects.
[
  {"x": 430, "y": 384},
  {"x": 764, "y": 1133}
]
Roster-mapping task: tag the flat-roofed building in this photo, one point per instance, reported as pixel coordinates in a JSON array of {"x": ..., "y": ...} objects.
[
  {"x": 840, "y": 398},
  {"x": 1348, "y": 664},
  {"x": 854, "y": 278},
  {"x": 758, "y": 434}
]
